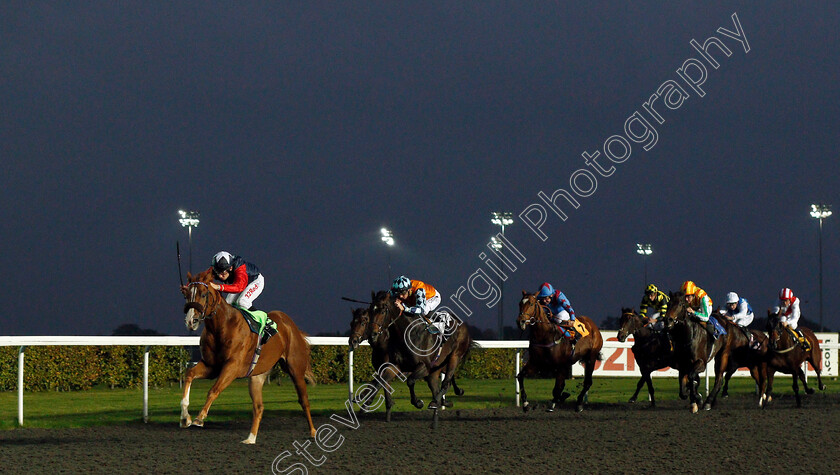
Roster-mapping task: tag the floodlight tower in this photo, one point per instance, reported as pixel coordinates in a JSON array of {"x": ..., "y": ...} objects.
[
  {"x": 645, "y": 250},
  {"x": 820, "y": 212},
  {"x": 501, "y": 219},
  {"x": 189, "y": 220},
  {"x": 388, "y": 238}
]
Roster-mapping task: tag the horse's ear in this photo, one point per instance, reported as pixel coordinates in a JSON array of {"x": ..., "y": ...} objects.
[
  {"x": 372, "y": 296},
  {"x": 189, "y": 276},
  {"x": 524, "y": 293}
]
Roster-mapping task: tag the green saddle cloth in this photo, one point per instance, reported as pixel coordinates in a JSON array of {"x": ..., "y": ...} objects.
[{"x": 257, "y": 322}]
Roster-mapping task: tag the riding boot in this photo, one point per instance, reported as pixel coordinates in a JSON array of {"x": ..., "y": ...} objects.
[
  {"x": 802, "y": 340},
  {"x": 709, "y": 329}
]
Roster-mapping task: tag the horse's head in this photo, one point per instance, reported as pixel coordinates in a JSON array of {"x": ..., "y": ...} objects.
[
  {"x": 530, "y": 311},
  {"x": 201, "y": 299},
  {"x": 677, "y": 306},
  {"x": 774, "y": 327},
  {"x": 382, "y": 312},
  {"x": 359, "y": 327},
  {"x": 630, "y": 323}
]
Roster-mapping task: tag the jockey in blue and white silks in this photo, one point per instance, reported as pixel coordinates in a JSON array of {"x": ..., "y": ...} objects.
[
  {"x": 738, "y": 310},
  {"x": 562, "y": 312}
]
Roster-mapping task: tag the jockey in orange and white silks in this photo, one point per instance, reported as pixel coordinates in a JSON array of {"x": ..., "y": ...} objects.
[
  {"x": 419, "y": 299},
  {"x": 789, "y": 307},
  {"x": 241, "y": 281}
]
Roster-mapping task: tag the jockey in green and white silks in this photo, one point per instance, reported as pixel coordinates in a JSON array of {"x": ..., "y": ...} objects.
[{"x": 704, "y": 311}]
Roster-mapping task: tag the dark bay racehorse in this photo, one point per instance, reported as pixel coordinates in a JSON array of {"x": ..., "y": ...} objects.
[
  {"x": 786, "y": 355},
  {"x": 228, "y": 348},
  {"x": 651, "y": 350},
  {"x": 694, "y": 348},
  {"x": 360, "y": 330},
  {"x": 413, "y": 347},
  {"x": 549, "y": 351}
]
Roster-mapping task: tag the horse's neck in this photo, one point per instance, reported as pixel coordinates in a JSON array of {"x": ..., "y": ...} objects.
[{"x": 225, "y": 319}]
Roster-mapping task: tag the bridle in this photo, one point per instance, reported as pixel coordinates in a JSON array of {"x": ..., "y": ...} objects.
[
  {"x": 534, "y": 318},
  {"x": 635, "y": 320},
  {"x": 200, "y": 309}
]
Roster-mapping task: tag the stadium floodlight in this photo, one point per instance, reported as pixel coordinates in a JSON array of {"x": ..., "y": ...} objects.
[
  {"x": 189, "y": 219},
  {"x": 645, "y": 250},
  {"x": 820, "y": 212},
  {"x": 388, "y": 238}
]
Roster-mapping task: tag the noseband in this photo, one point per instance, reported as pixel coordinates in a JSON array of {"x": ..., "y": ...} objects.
[
  {"x": 533, "y": 319},
  {"x": 197, "y": 306}
]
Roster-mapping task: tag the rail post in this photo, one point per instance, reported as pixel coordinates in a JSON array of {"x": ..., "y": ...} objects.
[
  {"x": 146, "y": 384},
  {"x": 20, "y": 385},
  {"x": 350, "y": 374},
  {"x": 516, "y": 374}
]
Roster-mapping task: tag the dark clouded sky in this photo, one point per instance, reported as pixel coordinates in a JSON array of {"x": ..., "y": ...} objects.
[{"x": 299, "y": 130}]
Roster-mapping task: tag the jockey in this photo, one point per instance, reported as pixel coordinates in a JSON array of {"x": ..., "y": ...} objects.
[
  {"x": 417, "y": 299},
  {"x": 789, "y": 314},
  {"x": 241, "y": 281},
  {"x": 740, "y": 312},
  {"x": 562, "y": 313},
  {"x": 702, "y": 315},
  {"x": 656, "y": 299}
]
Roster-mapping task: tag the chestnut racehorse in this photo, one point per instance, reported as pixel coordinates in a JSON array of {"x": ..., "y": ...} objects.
[
  {"x": 651, "y": 350},
  {"x": 228, "y": 347},
  {"x": 741, "y": 354},
  {"x": 549, "y": 351},
  {"x": 786, "y": 355}
]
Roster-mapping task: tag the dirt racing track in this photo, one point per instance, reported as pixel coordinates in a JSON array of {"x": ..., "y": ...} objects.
[{"x": 613, "y": 438}]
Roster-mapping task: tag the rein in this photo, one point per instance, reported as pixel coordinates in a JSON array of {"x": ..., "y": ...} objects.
[
  {"x": 197, "y": 306},
  {"x": 534, "y": 320},
  {"x": 776, "y": 342}
]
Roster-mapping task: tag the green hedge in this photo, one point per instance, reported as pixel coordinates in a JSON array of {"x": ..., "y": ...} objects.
[{"x": 68, "y": 368}]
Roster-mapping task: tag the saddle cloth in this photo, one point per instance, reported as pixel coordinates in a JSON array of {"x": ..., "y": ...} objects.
[
  {"x": 719, "y": 330},
  {"x": 257, "y": 320}
]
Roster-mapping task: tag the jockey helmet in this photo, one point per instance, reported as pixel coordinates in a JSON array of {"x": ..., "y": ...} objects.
[
  {"x": 546, "y": 290},
  {"x": 400, "y": 285},
  {"x": 222, "y": 261},
  {"x": 689, "y": 287},
  {"x": 786, "y": 294},
  {"x": 651, "y": 289},
  {"x": 732, "y": 297}
]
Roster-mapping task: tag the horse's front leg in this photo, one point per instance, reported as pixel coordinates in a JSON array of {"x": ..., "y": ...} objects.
[
  {"x": 226, "y": 377},
  {"x": 199, "y": 371},
  {"x": 526, "y": 371}
]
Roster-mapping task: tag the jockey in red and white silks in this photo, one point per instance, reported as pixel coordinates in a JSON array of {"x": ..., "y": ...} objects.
[
  {"x": 242, "y": 281},
  {"x": 789, "y": 307}
]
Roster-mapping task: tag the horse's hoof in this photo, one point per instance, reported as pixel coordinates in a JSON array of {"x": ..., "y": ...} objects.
[
  {"x": 632, "y": 400},
  {"x": 447, "y": 404},
  {"x": 433, "y": 406},
  {"x": 459, "y": 392},
  {"x": 419, "y": 404},
  {"x": 564, "y": 396},
  {"x": 822, "y": 387},
  {"x": 809, "y": 391},
  {"x": 724, "y": 395},
  {"x": 694, "y": 408},
  {"x": 387, "y": 417},
  {"x": 198, "y": 423},
  {"x": 525, "y": 406},
  {"x": 683, "y": 396},
  {"x": 251, "y": 440},
  {"x": 579, "y": 408},
  {"x": 707, "y": 407},
  {"x": 185, "y": 423},
  {"x": 551, "y": 407}
]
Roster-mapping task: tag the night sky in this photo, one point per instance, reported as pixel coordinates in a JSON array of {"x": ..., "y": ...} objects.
[{"x": 299, "y": 130}]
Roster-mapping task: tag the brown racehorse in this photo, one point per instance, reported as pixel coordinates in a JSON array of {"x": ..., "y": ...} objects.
[
  {"x": 549, "y": 351},
  {"x": 651, "y": 350},
  {"x": 228, "y": 347},
  {"x": 694, "y": 348},
  {"x": 360, "y": 329},
  {"x": 786, "y": 355},
  {"x": 741, "y": 354},
  {"x": 419, "y": 352}
]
